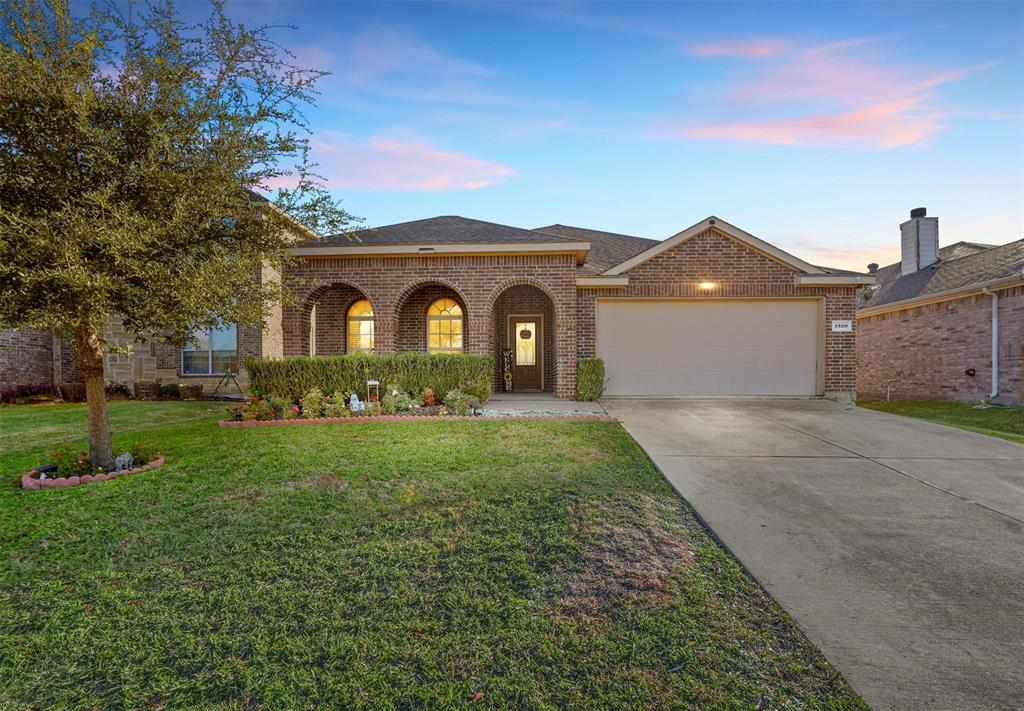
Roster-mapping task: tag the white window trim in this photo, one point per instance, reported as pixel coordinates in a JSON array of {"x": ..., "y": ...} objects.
[
  {"x": 209, "y": 359},
  {"x": 372, "y": 318},
  {"x": 461, "y": 317}
]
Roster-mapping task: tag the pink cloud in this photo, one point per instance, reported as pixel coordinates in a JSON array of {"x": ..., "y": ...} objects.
[
  {"x": 749, "y": 48},
  {"x": 887, "y": 125},
  {"x": 850, "y": 257},
  {"x": 832, "y": 94},
  {"x": 382, "y": 163}
]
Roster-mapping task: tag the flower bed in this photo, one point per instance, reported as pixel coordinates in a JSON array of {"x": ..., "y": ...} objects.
[
  {"x": 316, "y": 405},
  {"x": 239, "y": 424},
  {"x": 32, "y": 479}
]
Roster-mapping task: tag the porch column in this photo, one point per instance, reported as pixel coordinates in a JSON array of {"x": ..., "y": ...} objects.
[{"x": 565, "y": 349}]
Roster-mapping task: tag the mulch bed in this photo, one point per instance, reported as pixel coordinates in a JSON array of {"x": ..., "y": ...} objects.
[
  {"x": 32, "y": 480},
  {"x": 410, "y": 418}
]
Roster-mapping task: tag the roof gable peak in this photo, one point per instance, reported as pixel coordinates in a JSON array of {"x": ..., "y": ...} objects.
[{"x": 729, "y": 230}]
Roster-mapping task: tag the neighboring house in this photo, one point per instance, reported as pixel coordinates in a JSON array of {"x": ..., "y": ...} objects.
[
  {"x": 710, "y": 311},
  {"x": 937, "y": 321}
]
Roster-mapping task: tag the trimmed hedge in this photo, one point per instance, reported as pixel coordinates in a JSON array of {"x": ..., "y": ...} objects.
[
  {"x": 292, "y": 378},
  {"x": 589, "y": 379}
]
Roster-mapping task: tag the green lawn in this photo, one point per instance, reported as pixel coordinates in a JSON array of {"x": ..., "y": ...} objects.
[
  {"x": 411, "y": 565},
  {"x": 1004, "y": 422}
]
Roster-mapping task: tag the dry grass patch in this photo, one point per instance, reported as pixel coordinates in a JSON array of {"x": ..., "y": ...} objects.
[{"x": 634, "y": 552}]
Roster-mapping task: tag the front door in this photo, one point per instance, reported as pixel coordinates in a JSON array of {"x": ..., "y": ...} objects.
[{"x": 526, "y": 339}]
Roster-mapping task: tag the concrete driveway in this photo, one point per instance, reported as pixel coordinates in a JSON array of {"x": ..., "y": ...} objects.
[{"x": 896, "y": 544}]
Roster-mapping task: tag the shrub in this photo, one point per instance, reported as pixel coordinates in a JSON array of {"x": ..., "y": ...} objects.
[
  {"x": 26, "y": 390},
  {"x": 589, "y": 379},
  {"x": 429, "y": 399},
  {"x": 291, "y": 378},
  {"x": 72, "y": 392},
  {"x": 458, "y": 402},
  {"x": 336, "y": 405},
  {"x": 170, "y": 392},
  {"x": 141, "y": 453},
  {"x": 397, "y": 401},
  {"x": 313, "y": 403},
  {"x": 72, "y": 463},
  {"x": 256, "y": 408},
  {"x": 115, "y": 390}
]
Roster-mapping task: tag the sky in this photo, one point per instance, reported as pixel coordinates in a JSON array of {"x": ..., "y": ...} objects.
[{"x": 815, "y": 126}]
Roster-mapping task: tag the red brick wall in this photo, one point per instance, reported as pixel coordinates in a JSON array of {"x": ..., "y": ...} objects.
[
  {"x": 332, "y": 304},
  {"x": 526, "y": 299},
  {"x": 395, "y": 284},
  {"x": 412, "y": 318},
  {"x": 923, "y": 352},
  {"x": 738, "y": 271},
  {"x": 26, "y": 357}
]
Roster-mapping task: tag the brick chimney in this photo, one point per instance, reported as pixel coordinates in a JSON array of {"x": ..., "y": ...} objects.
[{"x": 919, "y": 240}]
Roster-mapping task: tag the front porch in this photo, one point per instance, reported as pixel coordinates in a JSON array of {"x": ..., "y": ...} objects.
[{"x": 527, "y": 330}]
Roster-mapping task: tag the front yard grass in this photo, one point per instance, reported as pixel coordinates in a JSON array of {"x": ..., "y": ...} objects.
[
  {"x": 995, "y": 421},
  {"x": 412, "y": 565}
]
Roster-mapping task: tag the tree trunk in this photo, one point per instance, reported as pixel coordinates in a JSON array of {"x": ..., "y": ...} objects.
[{"x": 90, "y": 364}]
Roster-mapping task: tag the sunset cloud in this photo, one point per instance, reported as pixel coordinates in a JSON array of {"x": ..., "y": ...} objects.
[
  {"x": 749, "y": 48},
  {"x": 888, "y": 125},
  {"x": 383, "y": 163},
  {"x": 842, "y": 93}
]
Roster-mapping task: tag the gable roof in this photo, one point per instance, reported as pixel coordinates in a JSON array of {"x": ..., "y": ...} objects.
[
  {"x": 726, "y": 229},
  {"x": 448, "y": 229},
  {"x": 606, "y": 248},
  {"x": 974, "y": 269}
]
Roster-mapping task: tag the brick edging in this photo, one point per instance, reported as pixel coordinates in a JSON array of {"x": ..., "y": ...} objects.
[
  {"x": 241, "y": 424},
  {"x": 31, "y": 480}
]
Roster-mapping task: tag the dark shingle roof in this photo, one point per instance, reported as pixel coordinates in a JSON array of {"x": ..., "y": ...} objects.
[
  {"x": 979, "y": 264},
  {"x": 606, "y": 248},
  {"x": 891, "y": 272},
  {"x": 449, "y": 229}
]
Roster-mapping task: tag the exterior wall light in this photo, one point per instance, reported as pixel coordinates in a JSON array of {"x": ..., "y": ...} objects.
[{"x": 706, "y": 285}]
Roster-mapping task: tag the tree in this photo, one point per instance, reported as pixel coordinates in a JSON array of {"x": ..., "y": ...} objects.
[{"x": 131, "y": 147}]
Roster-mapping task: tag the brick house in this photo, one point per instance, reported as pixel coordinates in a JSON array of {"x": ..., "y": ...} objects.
[
  {"x": 944, "y": 323},
  {"x": 710, "y": 311}
]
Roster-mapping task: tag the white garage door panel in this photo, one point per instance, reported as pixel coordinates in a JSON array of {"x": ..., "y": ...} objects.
[{"x": 690, "y": 348}]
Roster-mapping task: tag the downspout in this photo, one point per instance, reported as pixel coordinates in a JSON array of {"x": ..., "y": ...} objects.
[{"x": 995, "y": 341}]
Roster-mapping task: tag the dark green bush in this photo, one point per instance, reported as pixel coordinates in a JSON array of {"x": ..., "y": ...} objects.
[
  {"x": 292, "y": 378},
  {"x": 589, "y": 379}
]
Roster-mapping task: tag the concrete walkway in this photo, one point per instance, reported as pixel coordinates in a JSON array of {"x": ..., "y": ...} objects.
[
  {"x": 537, "y": 404},
  {"x": 896, "y": 544}
]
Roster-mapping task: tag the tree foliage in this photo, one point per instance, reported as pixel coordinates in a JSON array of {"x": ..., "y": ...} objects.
[{"x": 133, "y": 148}]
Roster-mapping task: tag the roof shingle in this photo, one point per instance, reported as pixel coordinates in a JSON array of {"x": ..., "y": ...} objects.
[
  {"x": 978, "y": 264},
  {"x": 449, "y": 229},
  {"x": 606, "y": 248}
]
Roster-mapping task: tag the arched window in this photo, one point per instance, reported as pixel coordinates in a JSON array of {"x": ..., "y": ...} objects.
[
  {"x": 360, "y": 327},
  {"x": 444, "y": 327}
]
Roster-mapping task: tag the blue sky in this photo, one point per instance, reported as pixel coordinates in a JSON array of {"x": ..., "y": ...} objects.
[{"x": 814, "y": 126}]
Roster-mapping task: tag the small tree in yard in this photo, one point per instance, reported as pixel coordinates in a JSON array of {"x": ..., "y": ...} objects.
[{"x": 130, "y": 146}]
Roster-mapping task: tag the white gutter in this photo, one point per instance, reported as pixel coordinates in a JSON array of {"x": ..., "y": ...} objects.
[
  {"x": 602, "y": 282},
  {"x": 833, "y": 279},
  {"x": 995, "y": 341}
]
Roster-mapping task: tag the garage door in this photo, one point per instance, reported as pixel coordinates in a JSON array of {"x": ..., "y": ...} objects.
[{"x": 709, "y": 348}]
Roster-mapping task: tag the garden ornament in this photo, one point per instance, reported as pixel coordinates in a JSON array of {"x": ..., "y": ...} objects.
[
  {"x": 123, "y": 462},
  {"x": 355, "y": 405}
]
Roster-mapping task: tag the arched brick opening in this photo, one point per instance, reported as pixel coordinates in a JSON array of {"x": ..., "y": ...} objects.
[
  {"x": 525, "y": 298},
  {"x": 411, "y": 314},
  {"x": 324, "y": 317}
]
